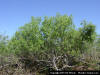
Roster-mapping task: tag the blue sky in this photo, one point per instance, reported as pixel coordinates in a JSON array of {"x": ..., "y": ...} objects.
[{"x": 15, "y": 13}]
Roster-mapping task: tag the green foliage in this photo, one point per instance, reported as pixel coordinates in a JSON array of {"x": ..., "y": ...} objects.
[
  {"x": 3, "y": 44},
  {"x": 98, "y": 43},
  {"x": 28, "y": 38},
  {"x": 56, "y": 31},
  {"x": 88, "y": 32},
  {"x": 87, "y": 36},
  {"x": 52, "y": 34}
]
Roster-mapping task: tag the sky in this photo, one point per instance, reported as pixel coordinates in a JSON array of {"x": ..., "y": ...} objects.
[{"x": 16, "y": 13}]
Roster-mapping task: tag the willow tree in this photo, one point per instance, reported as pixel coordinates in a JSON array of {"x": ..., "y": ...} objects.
[{"x": 51, "y": 38}]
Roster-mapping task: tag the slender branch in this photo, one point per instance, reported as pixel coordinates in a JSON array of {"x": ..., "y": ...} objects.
[{"x": 54, "y": 63}]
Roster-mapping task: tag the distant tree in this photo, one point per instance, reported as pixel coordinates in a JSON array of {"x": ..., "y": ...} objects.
[
  {"x": 87, "y": 35},
  {"x": 88, "y": 31},
  {"x": 98, "y": 42},
  {"x": 3, "y": 44}
]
